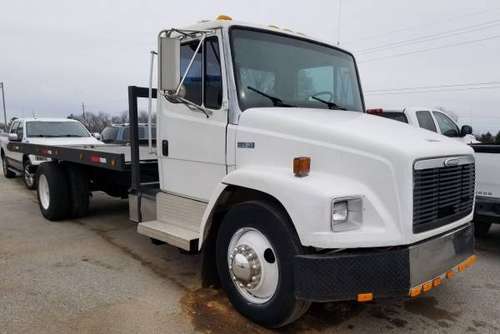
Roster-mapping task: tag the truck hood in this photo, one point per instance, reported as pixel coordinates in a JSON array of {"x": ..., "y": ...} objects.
[
  {"x": 352, "y": 154},
  {"x": 353, "y": 129},
  {"x": 64, "y": 141}
]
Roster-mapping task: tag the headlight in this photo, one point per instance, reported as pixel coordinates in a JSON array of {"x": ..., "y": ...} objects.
[
  {"x": 40, "y": 158},
  {"x": 347, "y": 213}
]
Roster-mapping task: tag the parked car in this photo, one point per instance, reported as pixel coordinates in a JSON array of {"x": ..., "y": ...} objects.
[
  {"x": 120, "y": 133},
  {"x": 43, "y": 131},
  {"x": 487, "y": 209},
  {"x": 429, "y": 119}
]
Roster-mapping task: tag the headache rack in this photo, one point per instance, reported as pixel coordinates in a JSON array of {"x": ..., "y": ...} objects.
[{"x": 443, "y": 191}]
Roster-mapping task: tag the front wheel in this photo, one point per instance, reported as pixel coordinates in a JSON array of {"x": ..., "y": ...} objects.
[
  {"x": 5, "y": 168},
  {"x": 255, "y": 249},
  {"x": 29, "y": 175}
]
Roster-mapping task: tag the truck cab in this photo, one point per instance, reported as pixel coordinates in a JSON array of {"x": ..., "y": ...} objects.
[{"x": 270, "y": 166}]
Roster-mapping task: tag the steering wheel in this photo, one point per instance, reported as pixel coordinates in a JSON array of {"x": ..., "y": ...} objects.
[{"x": 330, "y": 94}]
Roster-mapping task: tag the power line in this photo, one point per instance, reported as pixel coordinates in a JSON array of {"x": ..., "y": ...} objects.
[
  {"x": 432, "y": 49},
  {"x": 426, "y": 38},
  {"x": 437, "y": 86},
  {"x": 433, "y": 90},
  {"x": 412, "y": 27}
]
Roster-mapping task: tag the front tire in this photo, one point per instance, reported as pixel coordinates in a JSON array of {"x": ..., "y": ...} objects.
[
  {"x": 29, "y": 175},
  {"x": 53, "y": 191},
  {"x": 5, "y": 167},
  {"x": 255, "y": 249}
]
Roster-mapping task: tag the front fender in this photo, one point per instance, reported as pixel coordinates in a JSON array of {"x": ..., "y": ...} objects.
[{"x": 307, "y": 201}]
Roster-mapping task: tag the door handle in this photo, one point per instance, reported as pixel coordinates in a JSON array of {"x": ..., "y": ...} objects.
[{"x": 164, "y": 147}]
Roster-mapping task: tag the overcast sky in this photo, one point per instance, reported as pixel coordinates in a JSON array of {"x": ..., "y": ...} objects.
[{"x": 54, "y": 54}]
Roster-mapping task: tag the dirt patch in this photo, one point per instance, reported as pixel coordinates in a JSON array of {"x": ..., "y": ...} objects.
[
  {"x": 426, "y": 307},
  {"x": 211, "y": 312},
  {"x": 388, "y": 314},
  {"x": 322, "y": 316}
]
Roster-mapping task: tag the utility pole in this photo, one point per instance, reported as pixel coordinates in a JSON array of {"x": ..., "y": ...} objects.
[
  {"x": 4, "y": 110},
  {"x": 83, "y": 111}
]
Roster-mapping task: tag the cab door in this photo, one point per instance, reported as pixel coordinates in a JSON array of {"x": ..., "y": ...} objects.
[
  {"x": 192, "y": 145},
  {"x": 15, "y": 158}
]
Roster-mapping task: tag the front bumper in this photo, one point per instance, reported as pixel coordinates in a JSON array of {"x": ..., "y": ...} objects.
[{"x": 382, "y": 272}]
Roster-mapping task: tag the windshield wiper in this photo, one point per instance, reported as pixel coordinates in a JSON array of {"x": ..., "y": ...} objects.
[
  {"x": 72, "y": 136},
  {"x": 331, "y": 105},
  {"x": 277, "y": 102}
]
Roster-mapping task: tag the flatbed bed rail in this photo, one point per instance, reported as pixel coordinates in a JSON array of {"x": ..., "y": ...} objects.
[{"x": 87, "y": 155}]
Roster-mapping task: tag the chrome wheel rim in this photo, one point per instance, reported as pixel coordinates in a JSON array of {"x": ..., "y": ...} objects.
[
  {"x": 43, "y": 191},
  {"x": 28, "y": 176},
  {"x": 253, "y": 265}
]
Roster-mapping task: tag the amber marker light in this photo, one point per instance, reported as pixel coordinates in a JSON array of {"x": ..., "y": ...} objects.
[
  {"x": 416, "y": 291},
  {"x": 427, "y": 286},
  {"x": 301, "y": 166},
  {"x": 436, "y": 281},
  {"x": 364, "y": 297},
  {"x": 224, "y": 18}
]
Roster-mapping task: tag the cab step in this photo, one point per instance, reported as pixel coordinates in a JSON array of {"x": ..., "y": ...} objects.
[
  {"x": 174, "y": 235},
  {"x": 177, "y": 221}
]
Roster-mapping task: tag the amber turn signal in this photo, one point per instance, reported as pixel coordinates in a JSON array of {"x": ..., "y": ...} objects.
[
  {"x": 450, "y": 274},
  {"x": 364, "y": 297},
  {"x": 301, "y": 166}
]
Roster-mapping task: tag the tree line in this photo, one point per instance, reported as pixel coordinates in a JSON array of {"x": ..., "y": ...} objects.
[
  {"x": 96, "y": 122},
  {"x": 488, "y": 138}
]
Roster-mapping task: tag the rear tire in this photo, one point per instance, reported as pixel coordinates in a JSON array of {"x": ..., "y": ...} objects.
[
  {"x": 53, "y": 191},
  {"x": 79, "y": 191},
  {"x": 481, "y": 229},
  {"x": 256, "y": 270},
  {"x": 5, "y": 167},
  {"x": 29, "y": 176}
]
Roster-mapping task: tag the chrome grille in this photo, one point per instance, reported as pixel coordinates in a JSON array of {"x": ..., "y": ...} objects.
[{"x": 442, "y": 194}]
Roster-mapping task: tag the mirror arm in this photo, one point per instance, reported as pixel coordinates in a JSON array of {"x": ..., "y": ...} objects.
[
  {"x": 188, "y": 103},
  {"x": 190, "y": 64}
]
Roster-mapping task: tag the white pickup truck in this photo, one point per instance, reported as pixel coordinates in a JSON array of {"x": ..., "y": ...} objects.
[
  {"x": 487, "y": 210},
  {"x": 430, "y": 119},
  {"x": 270, "y": 167},
  {"x": 43, "y": 131}
]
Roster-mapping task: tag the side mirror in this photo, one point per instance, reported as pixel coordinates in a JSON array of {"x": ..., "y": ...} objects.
[
  {"x": 96, "y": 135},
  {"x": 169, "y": 63},
  {"x": 466, "y": 130},
  {"x": 13, "y": 137}
]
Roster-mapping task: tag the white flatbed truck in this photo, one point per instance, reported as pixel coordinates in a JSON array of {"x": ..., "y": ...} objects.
[{"x": 268, "y": 165}]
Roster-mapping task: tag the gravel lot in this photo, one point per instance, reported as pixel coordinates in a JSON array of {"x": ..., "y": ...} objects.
[{"x": 98, "y": 275}]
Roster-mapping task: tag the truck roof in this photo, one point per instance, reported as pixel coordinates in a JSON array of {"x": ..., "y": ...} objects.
[{"x": 227, "y": 23}]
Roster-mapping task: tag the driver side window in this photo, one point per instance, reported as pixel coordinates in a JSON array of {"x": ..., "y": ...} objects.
[
  {"x": 447, "y": 126},
  {"x": 13, "y": 127},
  {"x": 203, "y": 82}
]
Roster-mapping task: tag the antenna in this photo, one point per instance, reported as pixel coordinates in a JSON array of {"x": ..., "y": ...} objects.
[{"x": 339, "y": 16}]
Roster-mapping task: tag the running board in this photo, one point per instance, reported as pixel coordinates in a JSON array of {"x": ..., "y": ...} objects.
[
  {"x": 177, "y": 221},
  {"x": 171, "y": 234}
]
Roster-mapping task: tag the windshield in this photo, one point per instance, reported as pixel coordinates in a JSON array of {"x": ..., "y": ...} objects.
[
  {"x": 276, "y": 70},
  {"x": 56, "y": 129}
]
